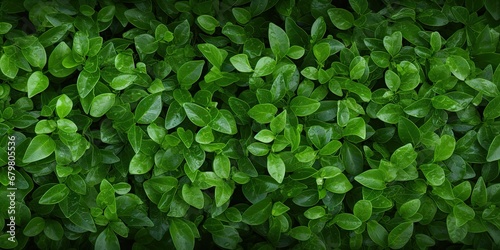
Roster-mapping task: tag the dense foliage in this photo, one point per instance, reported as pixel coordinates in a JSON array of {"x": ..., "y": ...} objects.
[{"x": 243, "y": 124}]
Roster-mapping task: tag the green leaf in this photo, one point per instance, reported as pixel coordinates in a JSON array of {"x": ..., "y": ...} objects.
[
  {"x": 107, "y": 240},
  {"x": 377, "y": 233},
  {"x": 410, "y": 77},
  {"x": 390, "y": 113},
  {"x": 380, "y": 58},
  {"x": 347, "y": 221},
  {"x": 265, "y": 136},
  {"x": 235, "y": 33},
  {"x": 54, "y": 195},
  {"x": 198, "y": 115},
  {"x": 101, "y": 104},
  {"x": 181, "y": 233},
  {"x": 304, "y": 106},
  {"x": 400, "y": 235},
  {"x": 134, "y": 135},
  {"x": 148, "y": 109},
  {"x": 278, "y": 40},
  {"x": 435, "y": 41},
  {"x": 223, "y": 194},
  {"x": 263, "y": 113},
  {"x": 35, "y": 54},
  {"x": 222, "y": 166},
  {"x": 207, "y": 23},
  {"x": 64, "y": 105},
  {"x": 408, "y": 132},
  {"x": 214, "y": 55},
  {"x": 433, "y": 173},
  {"x": 189, "y": 73},
  {"x": 355, "y": 126},
  {"x": 341, "y": 18},
  {"x": 54, "y": 34},
  {"x": 145, "y": 43},
  {"x": 276, "y": 167},
  {"x": 493, "y": 7},
  {"x": 241, "y": 63},
  {"x": 363, "y": 210},
  {"x": 264, "y": 66},
  {"x": 393, "y": 43},
  {"x": 123, "y": 81},
  {"x": 314, "y": 213},
  {"x": 279, "y": 88},
  {"x": 140, "y": 163},
  {"x": 301, "y": 233},
  {"x": 357, "y": 68},
  {"x": 106, "y": 14},
  {"x": 419, "y": 109},
  {"x": 45, "y": 127},
  {"x": 318, "y": 29},
  {"x": 494, "y": 150},
  {"x": 392, "y": 80},
  {"x": 403, "y": 156},
  {"x": 86, "y": 82},
  {"x": 295, "y": 52},
  {"x": 224, "y": 122},
  {"x": 484, "y": 86},
  {"x": 343, "y": 113},
  {"x": 8, "y": 67},
  {"x": 338, "y": 184},
  {"x": 463, "y": 213},
  {"x": 444, "y": 149},
  {"x": 124, "y": 62},
  {"x": 373, "y": 178},
  {"x": 433, "y": 17},
  {"x": 66, "y": 125},
  {"x": 4, "y": 27},
  {"x": 459, "y": 67},
  {"x": 409, "y": 208},
  {"x": 37, "y": 83},
  {"x": 479, "y": 195},
  {"x": 34, "y": 227},
  {"x": 491, "y": 111},
  {"x": 175, "y": 115},
  {"x": 39, "y": 148},
  {"x": 352, "y": 158},
  {"x": 81, "y": 43},
  {"x": 278, "y": 123},
  {"x": 359, "y": 6},
  {"x": 455, "y": 232},
  {"x": 258, "y": 213},
  {"x": 241, "y": 15},
  {"x": 359, "y": 89},
  {"x": 56, "y": 68},
  {"x": 193, "y": 196}
]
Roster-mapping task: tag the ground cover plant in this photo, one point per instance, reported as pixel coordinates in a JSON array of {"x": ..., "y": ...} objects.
[{"x": 237, "y": 124}]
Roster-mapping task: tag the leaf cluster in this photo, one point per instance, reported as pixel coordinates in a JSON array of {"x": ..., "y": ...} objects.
[{"x": 256, "y": 124}]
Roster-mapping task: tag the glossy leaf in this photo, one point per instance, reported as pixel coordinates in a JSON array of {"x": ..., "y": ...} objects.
[
  {"x": 37, "y": 82},
  {"x": 189, "y": 73},
  {"x": 400, "y": 235},
  {"x": 39, "y": 148}
]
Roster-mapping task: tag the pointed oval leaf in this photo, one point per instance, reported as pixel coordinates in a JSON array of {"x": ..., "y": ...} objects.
[
  {"x": 37, "y": 82},
  {"x": 148, "y": 109},
  {"x": 54, "y": 194},
  {"x": 276, "y": 167},
  {"x": 189, "y": 73},
  {"x": 39, "y": 148},
  {"x": 400, "y": 235},
  {"x": 101, "y": 104}
]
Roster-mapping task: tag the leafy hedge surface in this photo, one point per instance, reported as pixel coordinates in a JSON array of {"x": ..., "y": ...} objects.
[{"x": 251, "y": 124}]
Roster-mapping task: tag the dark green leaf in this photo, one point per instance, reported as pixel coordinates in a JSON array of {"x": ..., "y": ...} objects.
[{"x": 400, "y": 235}]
